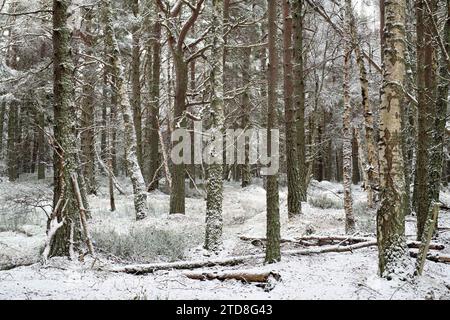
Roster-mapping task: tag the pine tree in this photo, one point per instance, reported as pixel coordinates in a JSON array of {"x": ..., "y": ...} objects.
[
  {"x": 273, "y": 253},
  {"x": 214, "y": 188}
]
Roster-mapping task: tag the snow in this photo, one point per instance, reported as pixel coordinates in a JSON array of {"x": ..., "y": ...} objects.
[{"x": 351, "y": 275}]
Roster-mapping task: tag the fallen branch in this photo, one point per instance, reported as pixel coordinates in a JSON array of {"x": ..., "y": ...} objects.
[
  {"x": 328, "y": 240},
  {"x": 246, "y": 276},
  {"x": 432, "y": 256},
  {"x": 150, "y": 268}
]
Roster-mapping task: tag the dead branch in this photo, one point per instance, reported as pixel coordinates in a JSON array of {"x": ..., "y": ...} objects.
[
  {"x": 110, "y": 173},
  {"x": 82, "y": 210}
]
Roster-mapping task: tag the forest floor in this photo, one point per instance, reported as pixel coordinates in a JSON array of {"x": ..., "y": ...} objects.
[{"x": 162, "y": 238}]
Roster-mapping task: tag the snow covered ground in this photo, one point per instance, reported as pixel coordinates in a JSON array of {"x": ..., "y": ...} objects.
[{"x": 164, "y": 238}]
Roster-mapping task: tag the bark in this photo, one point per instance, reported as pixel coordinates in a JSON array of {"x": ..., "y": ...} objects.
[
  {"x": 372, "y": 158},
  {"x": 177, "y": 195},
  {"x": 299, "y": 92},
  {"x": 272, "y": 195},
  {"x": 293, "y": 172},
  {"x": 153, "y": 164},
  {"x": 246, "y": 107},
  {"x": 2, "y": 121},
  {"x": 356, "y": 176},
  {"x": 391, "y": 213},
  {"x": 137, "y": 180},
  {"x": 88, "y": 108},
  {"x": 214, "y": 187},
  {"x": 136, "y": 81},
  {"x": 67, "y": 235},
  {"x": 347, "y": 141},
  {"x": 438, "y": 141},
  {"x": 426, "y": 88}
]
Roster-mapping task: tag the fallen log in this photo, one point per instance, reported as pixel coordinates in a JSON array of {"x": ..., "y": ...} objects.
[
  {"x": 241, "y": 275},
  {"x": 432, "y": 256},
  {"x": 322, "y": 240},
  {"x": 150, "y": 268}
]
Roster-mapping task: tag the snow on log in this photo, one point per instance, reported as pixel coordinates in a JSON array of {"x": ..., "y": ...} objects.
[
  {"x": 241, "y": 275},
  {"x": 150, "y": 268},
  {"x": 327, "y": 240}
]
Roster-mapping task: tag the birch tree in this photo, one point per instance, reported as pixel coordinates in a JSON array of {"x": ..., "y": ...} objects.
[
  {"x": 347, "y": 133},
  {"x": 391, "y": 213}
]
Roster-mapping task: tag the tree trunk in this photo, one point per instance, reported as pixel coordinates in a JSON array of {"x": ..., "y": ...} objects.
[
  {"x": 299, "y": 93},
  {"x": 2, "y": 121},
  {"x": 11, "y": 143},
  {"x": 136, "y": 81},
  {"x": 137, "y": 180},
  {"x": 88, "y": 108},
  {"x": 214, "y": 188},
  {"x": 293, "y": 174},
  {"x": 356, "y": 176},
  {"x": 272, "y": 195},
  {"x": 438, "y": 141},
  {"x": 177, "y": 195},
  {"x": 246, "y": 176},
  {"x": 426, "y": 88},
  {"x": 153, "y": 161},
  {"x": 372, "y": 158},
  {"x": 391, "y": 214},
  {"x": 66, "y": 238},
  {"x": 347, "y": 145},
  {"x": 41, "y": 154}
]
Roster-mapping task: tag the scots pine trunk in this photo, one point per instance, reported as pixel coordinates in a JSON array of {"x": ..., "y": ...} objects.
[
  {"x": 293, "y": 173},
  {"x": 391, "y": 213},
  {"x": 177, "y": 195},
  {"x": 153, "y": 108},
  {"x": 426, "y": 89},
  {"x": 123, "y": 100},
  {"x": 273, "y": 253},
  {"x": 66, "y": 239},
  {"x": 438, "y": 141},
  {"x": 246, "y": 107},
  {"x": 88, "y": 108},
  {"x": 214, "y": 187},
  {"x": 299, "y": 93}
]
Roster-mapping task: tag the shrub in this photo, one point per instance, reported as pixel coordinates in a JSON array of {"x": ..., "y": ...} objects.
[
  {"x": 149, "y": 243},
  {"x": 325, "y": 201}
]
